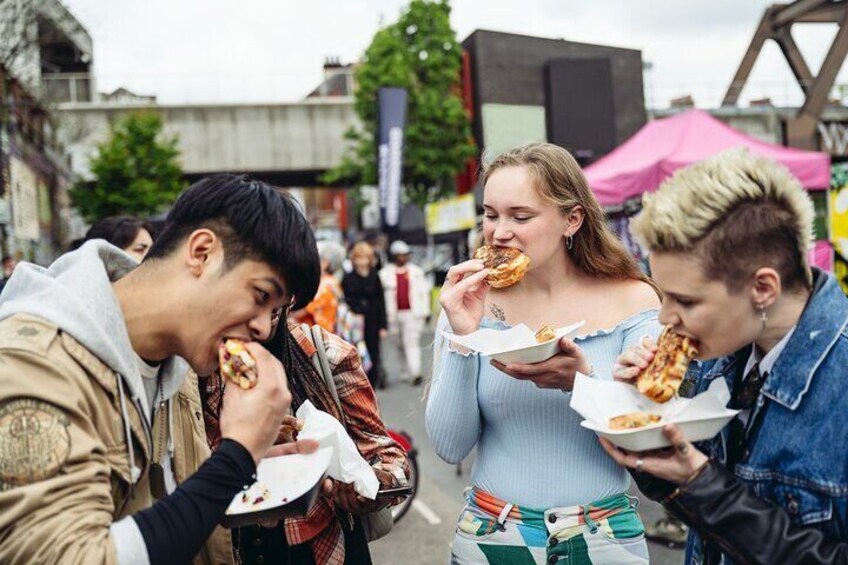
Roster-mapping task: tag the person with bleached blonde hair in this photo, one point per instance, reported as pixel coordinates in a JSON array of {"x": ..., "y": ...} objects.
[
  {"x": 728, "y": 241},
  {"x": 364, "y": 294}
]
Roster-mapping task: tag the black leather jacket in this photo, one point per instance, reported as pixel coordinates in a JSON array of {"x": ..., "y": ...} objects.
[{"x": 734, "y": 520}]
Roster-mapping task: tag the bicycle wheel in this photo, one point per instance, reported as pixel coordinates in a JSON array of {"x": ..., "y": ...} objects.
[{"x": 401, "y": 509}]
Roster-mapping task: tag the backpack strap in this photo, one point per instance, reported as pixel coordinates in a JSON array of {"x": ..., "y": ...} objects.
[{"x": 320, "y": 362}]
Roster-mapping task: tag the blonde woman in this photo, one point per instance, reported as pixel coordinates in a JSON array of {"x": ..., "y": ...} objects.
[
  {"x": 364, "y": 295},
  {"x": 729, "y": 239},
  {"x": 543, "y": 490}
]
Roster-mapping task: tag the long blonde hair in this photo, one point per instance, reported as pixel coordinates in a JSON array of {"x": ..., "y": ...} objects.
[{"x": 557, "y": 177}]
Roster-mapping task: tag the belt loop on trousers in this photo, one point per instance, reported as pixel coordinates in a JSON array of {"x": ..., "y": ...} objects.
[{"x": 502, "y": 516}]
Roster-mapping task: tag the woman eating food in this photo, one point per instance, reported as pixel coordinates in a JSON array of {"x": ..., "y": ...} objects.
[
  {"x": 542, "y": 487},
  {"x": 728, "y": 241},
  {"x": 333, "y": 533}
]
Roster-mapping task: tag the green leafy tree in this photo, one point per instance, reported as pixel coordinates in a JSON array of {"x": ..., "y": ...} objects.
[
  {"x": 136, "y": 171},
  {"x": 420, "y": 53}
]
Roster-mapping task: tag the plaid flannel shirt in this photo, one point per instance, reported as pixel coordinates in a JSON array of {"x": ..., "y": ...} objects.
[{"x": 321, "y": 526}]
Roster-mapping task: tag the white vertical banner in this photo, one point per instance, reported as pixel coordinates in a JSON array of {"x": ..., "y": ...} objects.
[{"x": 391, "y": 111}]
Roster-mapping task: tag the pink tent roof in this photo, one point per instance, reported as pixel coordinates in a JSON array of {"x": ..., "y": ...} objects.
[{"x": 661, "y": 147}]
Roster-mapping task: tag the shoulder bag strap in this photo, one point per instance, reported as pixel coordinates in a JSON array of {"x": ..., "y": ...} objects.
[{"x": 323, "y": 365}]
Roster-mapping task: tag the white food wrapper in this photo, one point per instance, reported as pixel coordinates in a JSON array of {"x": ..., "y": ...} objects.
[
  {"x": 346, "y": 465},
  {"x": 515, "y": 345},
  {"x": 699, "y": 418},
  {"x": 598, "y": 401}
]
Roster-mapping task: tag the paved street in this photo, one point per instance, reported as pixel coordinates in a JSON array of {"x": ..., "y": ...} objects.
[{"x": 425, "y": 533}]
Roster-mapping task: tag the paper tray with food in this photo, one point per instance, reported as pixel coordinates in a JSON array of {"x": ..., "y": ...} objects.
[
  {"x": 517, "y": 344},
  {"x": 285, "y": 487},
  {"x": 699, "y": 418}
]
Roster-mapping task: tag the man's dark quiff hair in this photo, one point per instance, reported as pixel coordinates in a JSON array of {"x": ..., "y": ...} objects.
[{"x": 253, "y": 221}]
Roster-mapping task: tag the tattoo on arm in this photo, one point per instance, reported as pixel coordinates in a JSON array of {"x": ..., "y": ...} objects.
[{"x": 497, "y": 312}]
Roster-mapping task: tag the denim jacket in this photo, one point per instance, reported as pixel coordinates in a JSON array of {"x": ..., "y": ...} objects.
[{"x": 797, "y": 448}]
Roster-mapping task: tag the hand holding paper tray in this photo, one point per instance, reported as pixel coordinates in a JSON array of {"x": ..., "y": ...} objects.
[
  {"x": 346, "y": 465},
  {"x": 699, "y": 418},
  {"x": 516, "y": 345},
  {"x": 287, "y": 486}
]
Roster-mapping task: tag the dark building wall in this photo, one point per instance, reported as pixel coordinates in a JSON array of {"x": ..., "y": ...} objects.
[
  {"x": 580, "y": 114},
  {"x": 510, "y": 69}
]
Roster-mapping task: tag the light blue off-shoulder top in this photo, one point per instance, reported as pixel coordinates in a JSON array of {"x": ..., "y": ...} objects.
[{"x": 531, "y": 449}]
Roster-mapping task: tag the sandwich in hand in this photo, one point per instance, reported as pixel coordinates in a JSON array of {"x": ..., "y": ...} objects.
[
  {"x": 633, "y": 420},
  {"x": 237, "y": 364},
  {"x": 661, "y": 379},
  {"x": 506, "y": 265}
]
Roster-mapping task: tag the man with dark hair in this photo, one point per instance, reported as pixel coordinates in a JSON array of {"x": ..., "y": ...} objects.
[{"x": 91, "y": 354}]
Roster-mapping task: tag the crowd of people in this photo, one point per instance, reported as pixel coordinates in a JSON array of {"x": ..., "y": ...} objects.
[{"x": 121, "y": 443}]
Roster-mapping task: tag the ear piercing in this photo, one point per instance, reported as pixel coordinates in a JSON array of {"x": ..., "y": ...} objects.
[{"x": 763, "y": 314}]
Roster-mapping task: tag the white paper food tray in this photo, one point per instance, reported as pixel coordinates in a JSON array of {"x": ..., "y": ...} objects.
[
  {"x": 289, "y": 485},
  {"x": 699, "y": 418},
  {"x": 515, "y": 345}
]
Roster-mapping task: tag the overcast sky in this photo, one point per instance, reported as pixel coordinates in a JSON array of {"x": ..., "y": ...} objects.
[{"x": 197, "y": 51}]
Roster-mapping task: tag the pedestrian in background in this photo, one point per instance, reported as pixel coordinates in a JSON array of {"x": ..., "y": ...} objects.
[
  {"x": 364, "y": 295},
  {"x": 9, "y": 264},
  {"x": 132, "y": 235},
  {"x": 324, "y": 308},
  {"x": 407, "y": 307}
]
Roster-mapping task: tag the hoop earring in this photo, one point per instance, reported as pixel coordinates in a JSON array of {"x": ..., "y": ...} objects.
[
  {"x": 569, "y": 242},
  {"x": 763, "y": 314}
]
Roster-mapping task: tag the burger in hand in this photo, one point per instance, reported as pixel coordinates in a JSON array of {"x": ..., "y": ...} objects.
[
  {"x": 661, "y": 379},
  {"x": 506, "y": 265},
  {"x": 237, "y": 364}
]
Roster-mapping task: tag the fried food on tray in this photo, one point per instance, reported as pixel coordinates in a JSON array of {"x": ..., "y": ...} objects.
[
  {"x": 237, "y": 364},
  {"x": 661, "y": 379},
  {"x": 633, "y": 420},
  {"x": 506, "y": 265},
  {"x": 288, "y": 430},
  {"x": 547, "y": 333}
]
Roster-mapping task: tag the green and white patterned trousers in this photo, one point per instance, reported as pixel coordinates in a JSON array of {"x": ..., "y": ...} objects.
[{"x": 493, "y": 532}]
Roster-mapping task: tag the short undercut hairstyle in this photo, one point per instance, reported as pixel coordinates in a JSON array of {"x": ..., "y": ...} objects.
[
  {"x": 254, "y": 221},
  {"x": 736, "y": 212}
]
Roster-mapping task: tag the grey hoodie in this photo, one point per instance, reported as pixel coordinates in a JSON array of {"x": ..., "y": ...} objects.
[{"x": 76, "y": 294}]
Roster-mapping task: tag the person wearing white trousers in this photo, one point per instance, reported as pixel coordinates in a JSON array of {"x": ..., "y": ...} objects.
[{"x": 407, "y": 293}]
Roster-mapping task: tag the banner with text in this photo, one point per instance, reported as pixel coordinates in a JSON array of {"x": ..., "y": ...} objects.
[
  {"x": 450, "y": 215},
  {"x": 391, "y": 112}
]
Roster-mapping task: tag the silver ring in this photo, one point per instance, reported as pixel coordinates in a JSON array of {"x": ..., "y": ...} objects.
[{"x": 639, "y": 463}]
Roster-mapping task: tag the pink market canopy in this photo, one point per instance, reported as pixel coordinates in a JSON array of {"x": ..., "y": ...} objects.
[{"x": 661, "y": 147}]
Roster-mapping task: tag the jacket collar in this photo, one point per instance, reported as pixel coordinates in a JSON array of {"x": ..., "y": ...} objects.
[{"x": 822, "y": 322}]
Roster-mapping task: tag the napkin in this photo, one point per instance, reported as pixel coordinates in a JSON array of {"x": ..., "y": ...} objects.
[
  {"x": 346, "y": 464},
  {"x": 598, "y": 401}
]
